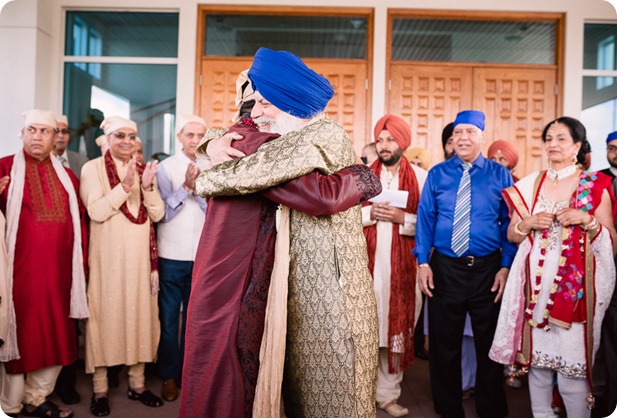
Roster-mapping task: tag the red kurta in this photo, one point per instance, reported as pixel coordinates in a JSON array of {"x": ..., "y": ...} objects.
[{"x": 42, "y": 274}]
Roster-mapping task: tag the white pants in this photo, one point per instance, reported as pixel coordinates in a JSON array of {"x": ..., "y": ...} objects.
[
  {"x": 29, "y": 389},
  {"x": 136, "y": 378},
  {"x": 573, "y": 391},
  {"x": 388, "y": 385}
]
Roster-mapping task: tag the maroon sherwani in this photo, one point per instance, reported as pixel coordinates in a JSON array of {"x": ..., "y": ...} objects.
[
  {"x": 42, "y": 271},
  {"x": 231, "y": 277}
]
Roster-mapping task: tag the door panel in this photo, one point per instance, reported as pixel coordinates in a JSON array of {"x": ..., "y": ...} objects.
[
  {"x": 428, "y": 97},
  {"x": 518, "y": 103},
  {"x": 216, "y": 98}
]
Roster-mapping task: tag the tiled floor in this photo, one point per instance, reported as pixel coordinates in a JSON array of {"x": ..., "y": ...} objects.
[{"x": 416, "y": 395}]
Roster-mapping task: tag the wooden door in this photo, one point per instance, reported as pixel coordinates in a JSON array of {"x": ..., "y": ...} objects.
[
  {"x": 518, "y": 103},
  {"x": 215, "y": 100},
  {"x": 428, "y": 97}
]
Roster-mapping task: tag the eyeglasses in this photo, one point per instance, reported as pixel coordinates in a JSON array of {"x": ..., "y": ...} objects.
[
  {"x": 44, "y": 131},
  {"x": 122, "y": 135},
  {"x": 64, "y": 131},
  {"x": 611, "y": 148}
]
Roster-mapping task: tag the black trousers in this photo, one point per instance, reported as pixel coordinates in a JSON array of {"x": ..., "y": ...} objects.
[
  {"x": 603, "y": 372},
  {"x": 460, "y": 288}
]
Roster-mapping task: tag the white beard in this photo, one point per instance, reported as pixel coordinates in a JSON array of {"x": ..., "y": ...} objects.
[{"x": 283, "y": 124}]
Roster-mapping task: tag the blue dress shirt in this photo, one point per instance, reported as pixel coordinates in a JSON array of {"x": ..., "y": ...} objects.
[
  {"x": 173, "y": 198},
  {"x": 489, "y": 213}
]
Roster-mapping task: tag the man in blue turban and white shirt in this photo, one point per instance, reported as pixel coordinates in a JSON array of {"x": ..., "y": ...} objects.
[
  {"x": 330, "y": 357},
  {"x": 464, "y": 219}
]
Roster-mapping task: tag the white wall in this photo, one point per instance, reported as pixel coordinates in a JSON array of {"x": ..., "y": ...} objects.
[{"x": 32, "y": 36}]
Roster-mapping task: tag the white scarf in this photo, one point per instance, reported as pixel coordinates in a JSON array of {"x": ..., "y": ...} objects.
[{"x": 79, "y": 305}]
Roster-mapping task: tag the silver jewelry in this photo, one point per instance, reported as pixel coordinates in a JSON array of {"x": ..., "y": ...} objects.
[{"x": 559, "y": 175}]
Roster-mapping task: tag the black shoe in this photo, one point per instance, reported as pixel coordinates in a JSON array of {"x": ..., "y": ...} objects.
[
  {"x": 68, "y": 395},
  {"x": 99, "y": 406},
  {"x": 146, "y": 397}
]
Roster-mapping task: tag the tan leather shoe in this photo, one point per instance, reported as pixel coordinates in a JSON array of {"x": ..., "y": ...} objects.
[
  {"x": 396, "y": 410},
  {"x": 170, "y": 390}
]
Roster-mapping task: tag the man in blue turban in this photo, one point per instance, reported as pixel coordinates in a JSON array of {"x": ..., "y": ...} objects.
[
  {"x": 331, "y": 344},
  {"x": 464, "y": 257}
]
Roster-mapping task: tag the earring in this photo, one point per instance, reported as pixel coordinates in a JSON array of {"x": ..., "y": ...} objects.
[{"x": 574, "y": 159}]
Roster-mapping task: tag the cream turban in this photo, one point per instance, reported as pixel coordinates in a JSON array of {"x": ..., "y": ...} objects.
[
  {"x": 182, "y": 120},
  {"x": 62, "y": 119},
  {"x": 41, "y": 117},
  {"x": 421, "y": 154},
  {"x": 244, "y": 92},
  {"x": 113, "y": 123}
]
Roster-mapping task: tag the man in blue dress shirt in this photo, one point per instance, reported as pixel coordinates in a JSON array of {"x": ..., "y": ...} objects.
[{"x": 468, "y": 266}]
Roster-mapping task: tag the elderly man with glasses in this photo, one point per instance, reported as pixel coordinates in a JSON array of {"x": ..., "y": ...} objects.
[
  {"x": 45, "y": 235},
  {"x": 123, "y": 201},
  {"x": 70, "y": 159}
]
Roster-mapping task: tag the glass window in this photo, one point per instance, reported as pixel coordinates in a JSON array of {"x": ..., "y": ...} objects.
[
  {"x": 122, "y": 90},
  {"x": 121, "y": 34},
  {"x": 600, "y": 47},
  {"x": 306, "y": 36},
  {"x": 94, "y": 90},
  {"x": 514, "y": 42}
]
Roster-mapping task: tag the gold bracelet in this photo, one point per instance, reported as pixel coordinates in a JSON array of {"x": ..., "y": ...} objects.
[
  {"x": 423, "y": 265},
  {"x": 591, "y": 225},
  {"x": 518, "y": 231}
]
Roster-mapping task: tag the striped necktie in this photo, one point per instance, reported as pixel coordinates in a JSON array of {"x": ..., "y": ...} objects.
[
  {"x": 462, "y": 211},
  {"x": 63, "y": 161}
]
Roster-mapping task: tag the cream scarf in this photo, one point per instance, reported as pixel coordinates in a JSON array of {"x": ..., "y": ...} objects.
[
  {"x": 267, "y": 402},
  {"x": 79, "y": 305}
]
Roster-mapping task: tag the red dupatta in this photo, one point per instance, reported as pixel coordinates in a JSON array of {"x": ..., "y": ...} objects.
[{"x": 403, "y": 272}]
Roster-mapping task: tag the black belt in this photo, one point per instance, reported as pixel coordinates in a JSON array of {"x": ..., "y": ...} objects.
[{"x": 472, "y": 260}]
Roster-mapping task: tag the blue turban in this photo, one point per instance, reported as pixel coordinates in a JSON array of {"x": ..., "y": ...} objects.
[
  {"x": 285, "y": 81},
  {"x": 473, "y": 117},
  {"x": 612, "y": 136}
]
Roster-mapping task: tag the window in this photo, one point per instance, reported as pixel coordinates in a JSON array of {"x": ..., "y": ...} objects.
[
  {"x": 306, "y": 36},
  {"x": 112, "y": 61},
  {"x": 450, "y": 40},
  {"x": 599, "y": 113}
]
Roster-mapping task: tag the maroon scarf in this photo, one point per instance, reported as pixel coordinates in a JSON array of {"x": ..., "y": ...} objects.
[
  {"x": 142, "y": 217},
  {"x": 403, "y": 271}
]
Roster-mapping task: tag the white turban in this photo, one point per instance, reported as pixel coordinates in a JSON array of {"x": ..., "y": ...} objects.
[
  {"x": 182, "y": 120},
  {"x": 62, "y": 119},
  {"x": 41, "y": 117},
  {"x": 113, "y": 123},
  {"x": 244, "y": 92}
]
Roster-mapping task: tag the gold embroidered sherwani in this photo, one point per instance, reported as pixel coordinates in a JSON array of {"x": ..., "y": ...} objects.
[{"x": 332, "y": 344}]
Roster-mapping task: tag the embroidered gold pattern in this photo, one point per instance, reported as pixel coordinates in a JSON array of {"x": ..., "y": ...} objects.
[{"x": 54, "y": 211}]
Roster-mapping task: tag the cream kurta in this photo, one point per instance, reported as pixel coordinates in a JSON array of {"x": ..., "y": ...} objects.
[
  {"x": 383, "y": 248},
  {"x": 123, "y": 327},
  {"x": 332, "y": 347}
]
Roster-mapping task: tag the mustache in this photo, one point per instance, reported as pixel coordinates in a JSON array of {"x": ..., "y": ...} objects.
[{"x": 263, "y": 119}]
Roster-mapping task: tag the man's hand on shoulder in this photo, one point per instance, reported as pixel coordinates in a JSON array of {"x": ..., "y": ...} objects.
[{"x": 220, "y": 150}]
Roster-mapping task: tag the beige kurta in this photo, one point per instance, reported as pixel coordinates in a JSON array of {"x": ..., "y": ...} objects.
[
  {"x": 332, "y": 344},
  {"x": 123, "y": 327}
]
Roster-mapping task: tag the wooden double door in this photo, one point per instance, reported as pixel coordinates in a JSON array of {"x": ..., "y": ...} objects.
[
  {"x": 349, "y": 106},
  {"x": 518, "y": 101}
]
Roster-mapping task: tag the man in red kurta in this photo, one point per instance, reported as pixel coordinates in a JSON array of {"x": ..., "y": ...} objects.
[{"x": 45, "y": 238}]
